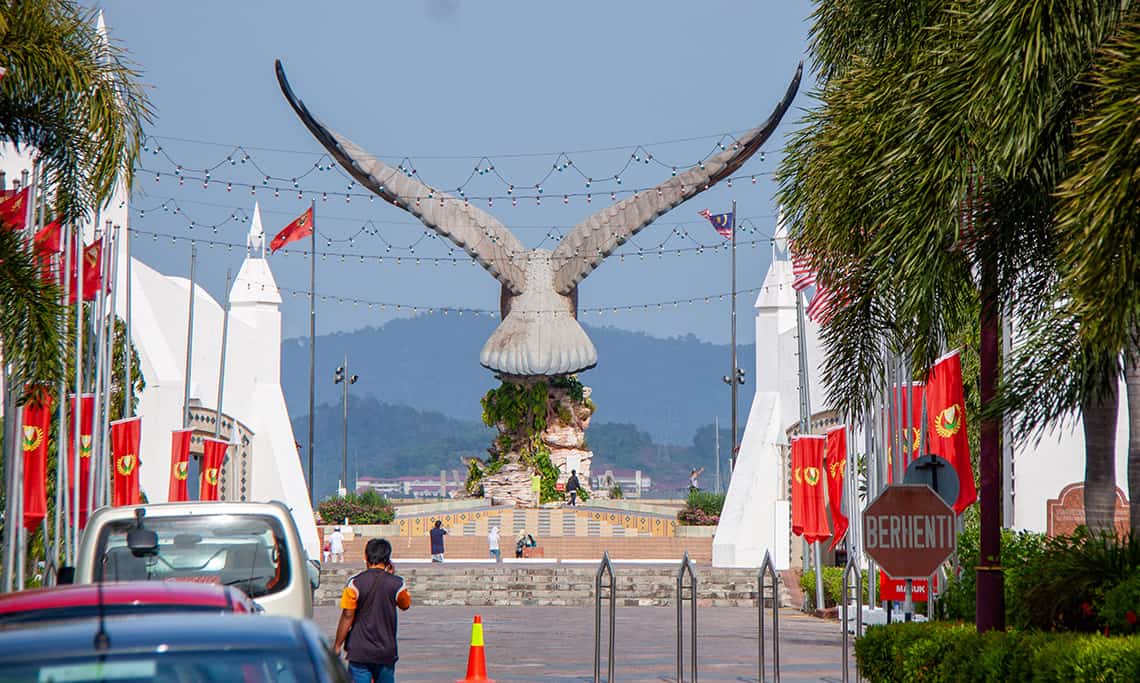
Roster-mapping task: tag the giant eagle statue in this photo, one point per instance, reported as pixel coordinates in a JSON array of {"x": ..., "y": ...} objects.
[{"x": 539, "y": 334}]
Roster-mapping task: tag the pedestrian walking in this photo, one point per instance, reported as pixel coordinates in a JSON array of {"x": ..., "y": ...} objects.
[
  {"x": 437, "y": 533},
  {"x": 694, "y": 473},
  {"x": 336, "y": 545},
  {"x": 572, "y": 487},
  {"x": 493, "y": 544},
  {"x": 366, "y": 632}
]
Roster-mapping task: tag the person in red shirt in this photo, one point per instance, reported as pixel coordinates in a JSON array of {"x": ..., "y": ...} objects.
[{"x": 368, "y": 617}]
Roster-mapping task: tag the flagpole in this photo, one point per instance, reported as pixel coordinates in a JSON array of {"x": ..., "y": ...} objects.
[
  {"x": 735, "y": 376},
  {"x": 222, "y": 359},
  {"x": 112, "y": 273},
  {"x": 94, "y": 478},
  {"x": 805, "y": 424},
  {"x": 128, "y": 388},
  {"x": 189, "y": 341},
  {"x": 61, "y": 478},
  {"x": 77, "y": 413},
  {"x": 312, "y": 340}
]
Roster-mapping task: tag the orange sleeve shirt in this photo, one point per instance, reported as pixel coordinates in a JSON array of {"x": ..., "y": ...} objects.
[{"x": 350, "y": 595}]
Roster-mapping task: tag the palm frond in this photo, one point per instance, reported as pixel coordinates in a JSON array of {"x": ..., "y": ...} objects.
[
  {"x": 29, "y": 315},
  {"x": 73, "y": 96},
  {"x": 1098, "y": 218}
]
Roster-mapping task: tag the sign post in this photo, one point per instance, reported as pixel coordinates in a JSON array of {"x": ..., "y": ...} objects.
[{"x": 909, "y": 532}]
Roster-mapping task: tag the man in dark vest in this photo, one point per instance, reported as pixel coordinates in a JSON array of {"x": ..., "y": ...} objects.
[
  {"x": 572, "y": 487},
  {"x": 368, "y": 617}
]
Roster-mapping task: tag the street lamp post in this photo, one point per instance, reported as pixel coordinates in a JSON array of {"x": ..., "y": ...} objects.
[
  {"x": 735, "y": 381},
  {"x": 342, "y": 377}
]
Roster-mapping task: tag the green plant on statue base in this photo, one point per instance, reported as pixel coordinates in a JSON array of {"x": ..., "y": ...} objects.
[{"x": 521, "y": 411}]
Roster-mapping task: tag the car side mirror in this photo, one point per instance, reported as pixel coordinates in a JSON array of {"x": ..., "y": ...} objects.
[
  {"x": 65, "y": 576},
  {"x": 314, "y": 569}
]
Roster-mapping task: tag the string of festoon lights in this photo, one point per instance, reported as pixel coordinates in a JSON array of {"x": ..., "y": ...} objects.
[
  {"x": 374, "y": 229},
  {"x": 484, "y": 166},
  {"x": 535, "y": 193},
  {"x": 597, "y": 311},
  {"x": 414, "y": 260}
]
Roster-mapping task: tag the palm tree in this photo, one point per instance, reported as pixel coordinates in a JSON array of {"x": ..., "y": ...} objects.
[
  {"x": 925, "y": 184},
  {"x": 72, "y": 96}
]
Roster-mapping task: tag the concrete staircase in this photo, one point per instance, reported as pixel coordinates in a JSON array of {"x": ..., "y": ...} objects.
[
  {"x": 553, "y": 547},
  {"x": 560, "y": 585}
]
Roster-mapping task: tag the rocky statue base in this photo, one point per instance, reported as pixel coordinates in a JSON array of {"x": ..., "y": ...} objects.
[{"x": 515, "y": 457}]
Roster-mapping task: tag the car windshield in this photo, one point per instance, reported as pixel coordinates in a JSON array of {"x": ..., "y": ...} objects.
[
  {"x": 248, "y": 666},
  {"x": 235, "y": 550}
]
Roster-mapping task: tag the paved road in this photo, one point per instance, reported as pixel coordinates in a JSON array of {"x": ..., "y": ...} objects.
[{"x": 556, "y": 644}]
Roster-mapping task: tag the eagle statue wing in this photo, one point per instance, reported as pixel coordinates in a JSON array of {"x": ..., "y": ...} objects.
[
  {"x": 480, "y": 234},
  {"x": 595, "y": 238}
]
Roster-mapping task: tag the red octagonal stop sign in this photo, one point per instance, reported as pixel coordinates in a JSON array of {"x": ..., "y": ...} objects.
[{"x": 909, "y": 531}]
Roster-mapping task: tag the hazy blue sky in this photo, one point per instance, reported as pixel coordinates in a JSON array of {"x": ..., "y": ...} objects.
[{"x": 445, "y": 83}]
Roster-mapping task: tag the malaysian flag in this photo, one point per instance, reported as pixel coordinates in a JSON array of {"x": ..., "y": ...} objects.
[{"x": 721, "y": 222}]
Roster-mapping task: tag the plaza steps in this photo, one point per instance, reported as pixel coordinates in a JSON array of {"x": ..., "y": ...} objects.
[
  {"x": 570, "y": 585},
  {"x": 582, "y": 521},
  {"x": 553, "y": 548}
]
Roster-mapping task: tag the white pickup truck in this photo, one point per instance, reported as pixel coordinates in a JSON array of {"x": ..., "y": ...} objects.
[{"x": 253, "y": 546}]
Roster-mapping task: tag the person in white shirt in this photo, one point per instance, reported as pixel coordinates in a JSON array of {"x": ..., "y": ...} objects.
[
  {"x": 336, "y": 546},
  {"x": 493, "y": 544}
]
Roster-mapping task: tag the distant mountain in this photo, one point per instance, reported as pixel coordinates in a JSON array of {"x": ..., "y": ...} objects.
[
  {"x": 387, "y": 440},
  {"x": 666, "y": 387}
]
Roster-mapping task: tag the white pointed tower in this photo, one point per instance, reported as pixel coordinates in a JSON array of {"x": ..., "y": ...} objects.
[
  {"x": 757, "y": 512},
  {"x": 254, "y": 360}
]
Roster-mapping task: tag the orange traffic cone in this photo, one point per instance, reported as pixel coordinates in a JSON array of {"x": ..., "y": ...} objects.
[{"x": 476, "y": 662}]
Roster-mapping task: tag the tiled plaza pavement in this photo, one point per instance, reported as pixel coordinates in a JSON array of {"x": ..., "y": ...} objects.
[{"x": 556, "y": 644}]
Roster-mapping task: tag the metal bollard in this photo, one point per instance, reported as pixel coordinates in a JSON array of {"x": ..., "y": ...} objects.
[
  {"x": 851, "y": 571},
  {"x": 687, "y": 567},
  {"x": 767, "y": 568},
  {"x": 606, "y": 568}
]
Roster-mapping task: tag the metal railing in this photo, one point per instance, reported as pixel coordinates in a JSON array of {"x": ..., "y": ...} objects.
[
  {"x": 768, "y": 569},
  {"x": 605, "y": 571},
  {"x": 852, "y": 580},
  {"x": 687, "y": 567}
]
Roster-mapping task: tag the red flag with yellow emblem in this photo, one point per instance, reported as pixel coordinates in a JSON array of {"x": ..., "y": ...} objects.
[
  {"x": 125, "y": 437},
  {"x": 809, "y": 517},
  {"x": 836, "y": 452},
  {"x": 87, "y": 411},
  {"x": 946, "y": 410},
  {"x": 179, "y": 465},
  {"x": 14, "y": 210},
  {"x": 37, "y": 427},
  {"x": 213, "y": 455},
  {"x": 911, "y": 436}
]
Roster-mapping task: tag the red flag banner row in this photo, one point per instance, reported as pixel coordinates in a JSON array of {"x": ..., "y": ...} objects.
[
  {"x": 213, "y": 455},
  {"x": 809, "y": 518},
  {"x": 819, "y": 463},
  {"x": 85, "y": 405},
  {"x": 126, "y": 435},
  {"x": 37, "y": 427},
  {"x": 179, "y": 465}
]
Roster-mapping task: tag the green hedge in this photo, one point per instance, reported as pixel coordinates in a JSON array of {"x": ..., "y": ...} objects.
[
  {"x": 365, "y": 508},
  {"x": 953, "y": 653},
  {"x": 832, "y": 586}
]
